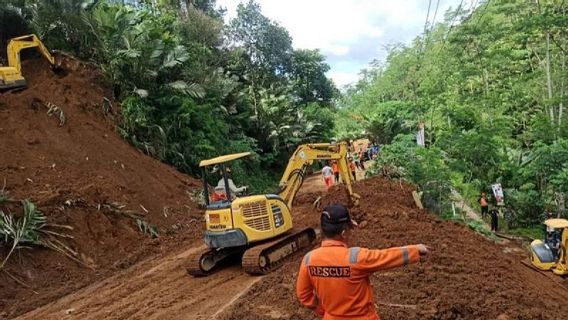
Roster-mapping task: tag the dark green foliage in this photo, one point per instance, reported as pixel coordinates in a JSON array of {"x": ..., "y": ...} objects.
[
  {"x": 491, "y": 91},
  {"x": 191, "y": 87}
]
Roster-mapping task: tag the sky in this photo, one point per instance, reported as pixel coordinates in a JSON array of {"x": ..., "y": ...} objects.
[{"x": 350, "y": 33}]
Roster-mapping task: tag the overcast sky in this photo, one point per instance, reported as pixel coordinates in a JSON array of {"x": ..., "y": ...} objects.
[{"x": 350, "y": 33}]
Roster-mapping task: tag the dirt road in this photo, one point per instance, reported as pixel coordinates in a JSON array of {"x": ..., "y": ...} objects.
[
  {"x": 155, "y": 289},
  {"x": 158, "y": 288}
]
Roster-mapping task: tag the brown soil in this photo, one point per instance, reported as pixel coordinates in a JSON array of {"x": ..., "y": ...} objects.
[
  {"x": 81, "y": 174},
  {"x": 70, "y": 170},
  {"x": 467, "y": 277}
]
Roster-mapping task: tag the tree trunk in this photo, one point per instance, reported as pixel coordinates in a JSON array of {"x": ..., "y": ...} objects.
[
  {"x": 561, "y": 106},
  {"x": 548, "y": 77}
]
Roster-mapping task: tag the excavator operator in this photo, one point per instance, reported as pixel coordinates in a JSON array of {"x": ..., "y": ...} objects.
[
  {"x": 334, "y": 279},
  {"x": 220, "y": 188}
]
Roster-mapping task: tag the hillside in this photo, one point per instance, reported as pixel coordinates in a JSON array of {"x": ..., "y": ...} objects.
[{"x": 81, "y": 173}]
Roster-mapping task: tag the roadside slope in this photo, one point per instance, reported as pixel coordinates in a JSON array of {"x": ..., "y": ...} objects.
[{"x": 82, "y": 173}]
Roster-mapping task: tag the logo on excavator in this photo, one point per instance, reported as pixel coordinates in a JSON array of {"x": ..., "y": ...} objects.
[
  {"x": 218, "y": 226},
  {"x": 323, "y": 156}
]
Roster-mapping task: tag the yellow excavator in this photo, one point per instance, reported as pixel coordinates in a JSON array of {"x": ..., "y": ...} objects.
[
  {"x": 550, "y": 254},
  {"x": 260, "y": 226},
  {"x": 11, "y": 76}
]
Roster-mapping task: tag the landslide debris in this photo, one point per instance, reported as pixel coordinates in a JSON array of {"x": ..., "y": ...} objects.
[{"x": 60, "y": 148}]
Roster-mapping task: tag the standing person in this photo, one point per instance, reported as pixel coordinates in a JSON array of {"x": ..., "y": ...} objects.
[
  {"x": 334, "y": 279},
  {"x": 353, "y": 169},
  {"x": 484, "y": 204},
  {"x": 335, "y": 169},
  {"x": 327, "y": 174},
  {"x": 494, "y": 213},
  {"x": 362, "y": 159},
  {"x": 356, "y": 159}
]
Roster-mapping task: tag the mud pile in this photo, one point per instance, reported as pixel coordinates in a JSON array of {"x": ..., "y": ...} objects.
[
  {"x": 467, "y": 276},
  {"x": 78, "y": 170}
]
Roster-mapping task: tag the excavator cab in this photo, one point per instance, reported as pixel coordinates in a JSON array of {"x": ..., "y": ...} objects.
[
  {"x": 550, "y": 254},
  {"x": 219, "y": 194}
]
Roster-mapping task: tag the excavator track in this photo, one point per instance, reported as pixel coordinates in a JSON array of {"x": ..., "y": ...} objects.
[
  {"x": 205, "y": 262},
  {"x": 266, "y": 257},
  {"x": 560, "y": 281}
]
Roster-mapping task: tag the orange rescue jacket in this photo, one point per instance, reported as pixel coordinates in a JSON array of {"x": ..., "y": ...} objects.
[
  {"x": 335, "y": 168},
  {"x": 334, "y": 279}
]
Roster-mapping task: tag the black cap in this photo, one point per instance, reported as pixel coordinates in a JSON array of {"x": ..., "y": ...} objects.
[{"x": 337, "y": 214}]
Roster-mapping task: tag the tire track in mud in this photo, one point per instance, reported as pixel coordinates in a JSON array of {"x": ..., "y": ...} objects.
[{"x": 159, "y": 288}]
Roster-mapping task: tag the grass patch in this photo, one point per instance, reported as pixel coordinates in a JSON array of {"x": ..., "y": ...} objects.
[
  {"x": 535, "y": 232},
  {"x": 4, "y": 194},
  {"x": 147, "y": 228}
]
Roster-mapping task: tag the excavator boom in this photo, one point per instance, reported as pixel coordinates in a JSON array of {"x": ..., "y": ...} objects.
[
  {"x": 303, "y": 157},
  {"x": 11, "y": 76}
]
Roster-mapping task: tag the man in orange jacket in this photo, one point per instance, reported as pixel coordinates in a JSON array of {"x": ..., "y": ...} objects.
[{"x": 334, "y": 279}]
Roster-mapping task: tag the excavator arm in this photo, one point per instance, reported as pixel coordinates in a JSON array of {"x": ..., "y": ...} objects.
[
  {"x": 304, "y": 156},
  {"x": 11, "y": 75},
  {"x": 20, "y": 43}
]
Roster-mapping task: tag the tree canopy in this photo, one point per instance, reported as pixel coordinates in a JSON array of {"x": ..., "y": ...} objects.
[
  {"x": 489, "y": 86},
  {"x": 192, "y": 86}
]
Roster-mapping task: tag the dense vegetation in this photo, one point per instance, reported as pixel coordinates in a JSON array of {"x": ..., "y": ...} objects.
[
  {"x": 191, "y": 86},
  {"x": 488, "y": 83},
  {"x": 490, "y": 87}
]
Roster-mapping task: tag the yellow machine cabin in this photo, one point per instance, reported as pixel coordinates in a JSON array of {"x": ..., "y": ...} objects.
[
  {"x": 11, "y": 76},
  {"x": 260, "y": 226},
  {"x": 550, "y": 254}
]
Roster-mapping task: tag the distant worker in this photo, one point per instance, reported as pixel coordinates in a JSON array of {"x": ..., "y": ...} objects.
[
  {"x": 353, "y": 169},
  {"x": 327, "y": 174},
  {"x": 484, "y": 204},
  {"x": 334, "y": 279},
  {"x": 362, "y": 159},
  {"x": 335, "y": 169},
  {"x": 356, "y": 159},
  {"x": 494, "y": 213},
  {"x": 220, "y": 189}
]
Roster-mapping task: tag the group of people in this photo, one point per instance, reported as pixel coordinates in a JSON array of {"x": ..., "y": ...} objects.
[
  {"x": 330, "y": 172},
  {"x": 355, "y": 160}
]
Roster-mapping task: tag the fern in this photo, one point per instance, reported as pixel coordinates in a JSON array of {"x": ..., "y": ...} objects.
[{"x": 23, "y": 231}]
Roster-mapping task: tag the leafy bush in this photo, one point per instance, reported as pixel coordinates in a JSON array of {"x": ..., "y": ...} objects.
[{"x": 425, "y": 167}]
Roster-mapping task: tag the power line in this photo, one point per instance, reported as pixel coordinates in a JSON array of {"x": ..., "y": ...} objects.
[
  {"x": 482, "y": 13},
  {"x": 426, "y": 38},
  {"x": 435, "y": 13},
  {"x": 452, "y": 23},
  {"x": 427, "y": 17}
]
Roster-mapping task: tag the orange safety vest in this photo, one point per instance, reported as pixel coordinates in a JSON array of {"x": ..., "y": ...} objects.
[
  {"x": 334, "y": 280},
  {"x": 335, "y": 168}
]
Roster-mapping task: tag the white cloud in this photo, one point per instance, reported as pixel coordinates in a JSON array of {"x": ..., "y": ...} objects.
[
  {"x": 337, "y": 27},
  {"x": 343, "y": 78},
  {"x": 338, "y": 50}
]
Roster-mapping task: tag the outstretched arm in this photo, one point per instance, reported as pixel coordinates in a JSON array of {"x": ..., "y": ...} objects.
[
  {"x": 369, "y": 260},
  {"x": 234, "y": 188}
]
